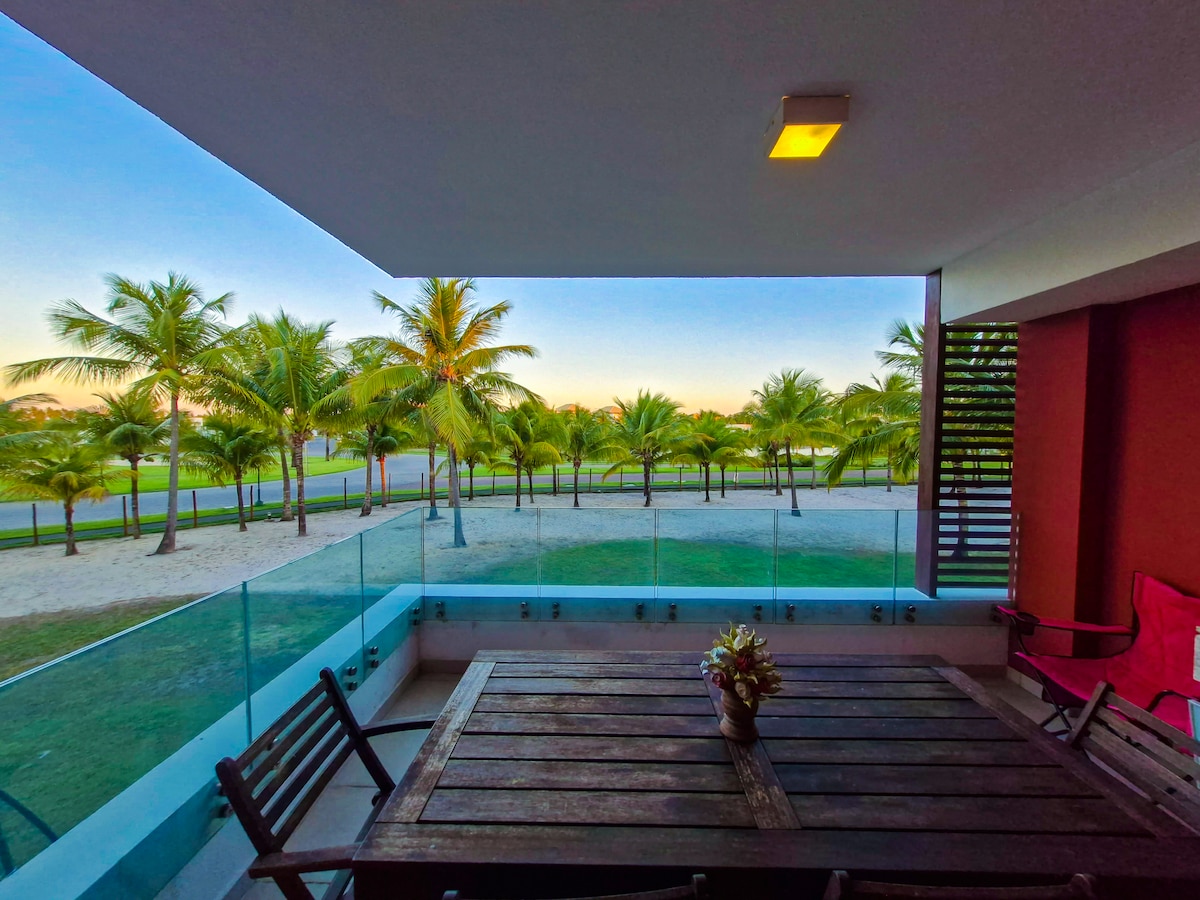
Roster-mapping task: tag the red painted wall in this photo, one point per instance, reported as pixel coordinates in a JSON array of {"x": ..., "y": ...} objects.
[{"x": 1107, "y": 455}]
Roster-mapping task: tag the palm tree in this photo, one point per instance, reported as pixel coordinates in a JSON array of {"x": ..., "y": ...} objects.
[
  {"x": 909, "y": 359},
  {"x": 794, "y": 409},
  {"x": 648, "y": 431},
  {"x": 56, "y": 466},
  {"x": 478, "y": 451},
  {"x": 225, "y": 449},
  {"x": 586, "y": 435},
  {"x": 13, "y": 419},
  {"x": 521, "y": 435},
  {"x": 448, "y": 364},
  {"x": 887, "y": 416},
  {"x": 168, "y": 332},
  {"x": 712, "y": 442},
  {"x": 296, "y": 371},
  {"x": 134, "y": 428}
]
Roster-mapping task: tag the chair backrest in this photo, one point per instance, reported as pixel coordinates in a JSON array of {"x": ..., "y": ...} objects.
[
  {"x": 698, "y": 889},
  {"x": 1161, "y": 655},
  {"x": 843, "y": 887},
  {"x": 1156, "y": 758},
  {"x": 274, "y": 783}
]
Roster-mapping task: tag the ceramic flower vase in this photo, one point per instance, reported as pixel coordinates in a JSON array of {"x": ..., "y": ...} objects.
[{"x": 737, "y": 723}]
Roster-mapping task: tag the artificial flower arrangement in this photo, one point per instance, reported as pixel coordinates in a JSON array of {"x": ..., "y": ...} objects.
[{"x": 738, "y": 663}]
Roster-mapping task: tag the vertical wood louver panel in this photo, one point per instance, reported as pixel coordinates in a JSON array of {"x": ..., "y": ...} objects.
[{"x": 974, "y": 453}]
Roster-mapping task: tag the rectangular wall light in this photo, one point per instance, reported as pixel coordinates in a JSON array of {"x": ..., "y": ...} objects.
[{"x": 802, "y": 127}]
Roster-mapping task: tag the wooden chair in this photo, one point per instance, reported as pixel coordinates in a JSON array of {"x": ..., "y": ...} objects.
[
  {"x": 1156, "y": 758},
  {"x": 698, "y": 890},
  {"x": 274, "y": 783},
  {"x": 843, "y": 887}
]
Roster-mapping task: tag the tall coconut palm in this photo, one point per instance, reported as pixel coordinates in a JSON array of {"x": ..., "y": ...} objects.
[
  {"x": 133, "y": 427},
  {"x": 648, "y": 430},
  {"x": 710, "y": 441},
  {"x": 794, "y": 409},
  {"x": 521, "y": 435},
  {"x": 447, "y": 362},
  {"x": 56, "y": 465},
  {"x": 478, "y": 451},
  {"x": 225, "y": 449},
  {"x": 297, "y": 369},
  {"x": 586, "y": 435},
  {"x": 885, "y": 416},
  {"x": 168, "y": 334}
]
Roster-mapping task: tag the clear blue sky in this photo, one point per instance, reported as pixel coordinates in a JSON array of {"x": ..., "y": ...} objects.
[{"x": 91, "y": 183}]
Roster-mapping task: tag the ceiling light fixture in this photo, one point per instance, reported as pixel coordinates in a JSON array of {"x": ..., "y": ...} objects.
[{"x": 802, "y": 127}]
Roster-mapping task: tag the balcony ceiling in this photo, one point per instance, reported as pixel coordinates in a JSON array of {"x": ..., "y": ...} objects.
[{"x": 576, "y": 138}]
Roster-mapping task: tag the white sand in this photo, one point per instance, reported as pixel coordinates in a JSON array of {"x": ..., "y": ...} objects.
[{"x": 42, "y": 579}]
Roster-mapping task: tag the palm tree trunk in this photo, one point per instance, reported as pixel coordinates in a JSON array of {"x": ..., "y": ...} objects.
[
  {"x": 554, "y": 480},
  {"x": 433, "y": 513},
  {"x": 327, "y": 446},
  {"x": 286, "y": 515},
  {"x": 889, "y": 475},
  {"x": 778, "y": 489},
  {"x": 383, "y": 497},
  {"x": 470, "y": 482},
  {"x": 577, "y": 485},
  {"x": 134, "y": 498},
  {"x": 69, "y": 512},
  {"x": 960, "y": 490},
  {"x": 460, "y": 540},
  {"x": 646, "y": 481},
  {"x": 707, "y": 479},
  {"x": 787, "y": 451},
  {"x": 167, "y": 544},
  {"x": 241, "y": 503},
  {"x": 722, "y": 482},
  {"x": 370, "y": 455},
  {"x": 529, "y": 479},
  {"x": 812, "y": 485},
  {"x": 298, "y": 462}
]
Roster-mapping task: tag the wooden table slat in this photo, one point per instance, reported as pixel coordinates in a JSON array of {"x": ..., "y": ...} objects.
[
  {"x": 614, "y": 687},
  {"x": 1020, "y": 815},
  {"x": 903, "y": 752},
  {"x": 569, "y": 723},
  {"x": 587, "y": 747},
  {"x": 885, "y": 729},
  {"x": 766, "y": 796},
  {"x": 602, "y": 776},
  {"x": 976, "y": 781},
  {"x": 574, "y": 703},
  {"x": 894, "y": 674},
  {"x": 597, "y": 670},
  {"x": 782, "y": 705},
  {"x": 871, "y": 690},
  {"x": 588, "y": 807}
]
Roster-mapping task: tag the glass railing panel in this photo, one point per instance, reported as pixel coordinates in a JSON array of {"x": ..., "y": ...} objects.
[
  {"x": 391, "y": 555},
  {"x": 836, "y": 566},
  {"x": 493, "y": 574},
  {"x": 906, "y": 549},
  {"x": 310, "y": 603},
  {"x": 595, "y": 564},
  {"x": 715, "y": 565},
  {"x": 77, "y": 733}
]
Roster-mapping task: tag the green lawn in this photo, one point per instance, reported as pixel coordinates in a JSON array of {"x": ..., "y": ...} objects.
[
  {"x": 700, "y": 564},
  {"x": 29, "y": 641}
]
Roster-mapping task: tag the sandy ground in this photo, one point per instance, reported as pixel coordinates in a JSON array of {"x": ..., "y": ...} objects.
[{"x": 41, "y": 579}]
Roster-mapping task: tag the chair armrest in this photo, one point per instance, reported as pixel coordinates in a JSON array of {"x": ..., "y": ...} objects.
[
  {"x": 408, "y": 723},
  {"x": 324, "y": 859},
  {"x": 1026, "y": 622}
]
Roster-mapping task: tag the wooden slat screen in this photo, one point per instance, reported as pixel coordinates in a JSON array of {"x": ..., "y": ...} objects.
[{"x": 973, "y": 506}]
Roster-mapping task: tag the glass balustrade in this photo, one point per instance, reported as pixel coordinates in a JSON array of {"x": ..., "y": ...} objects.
[{"x": 78, "y": 731}]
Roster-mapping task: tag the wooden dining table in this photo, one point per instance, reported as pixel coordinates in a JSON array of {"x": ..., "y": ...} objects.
[{"x": 582, "y": 773}]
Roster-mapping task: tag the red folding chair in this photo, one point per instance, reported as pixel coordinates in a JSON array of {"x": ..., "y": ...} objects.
[{"x": 1153, "y": 672}]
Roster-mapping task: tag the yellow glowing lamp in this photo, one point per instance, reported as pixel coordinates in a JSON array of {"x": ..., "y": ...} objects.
[{"x": 803, "y": 126}]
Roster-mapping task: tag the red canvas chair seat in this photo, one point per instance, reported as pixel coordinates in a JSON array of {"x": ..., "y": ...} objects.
[{"x": 1154, "y": 672}]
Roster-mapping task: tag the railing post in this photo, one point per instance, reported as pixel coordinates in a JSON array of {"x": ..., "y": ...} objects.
[
  {"x": 422, "y": 496},
  {"x": 195, "y": 512}
]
